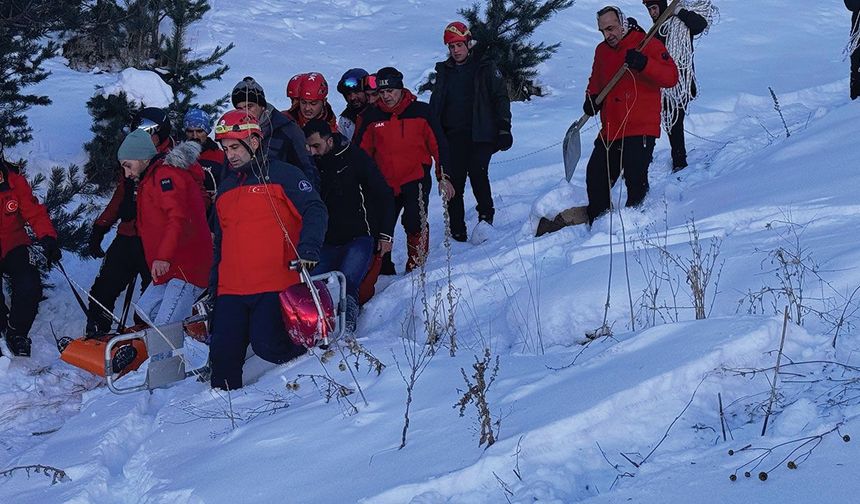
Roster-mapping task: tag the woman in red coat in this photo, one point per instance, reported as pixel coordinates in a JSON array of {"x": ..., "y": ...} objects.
[{"x": 171, "y": 222}]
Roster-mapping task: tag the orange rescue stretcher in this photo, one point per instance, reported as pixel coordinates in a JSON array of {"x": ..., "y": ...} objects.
[{"x": 311, "y": 317}]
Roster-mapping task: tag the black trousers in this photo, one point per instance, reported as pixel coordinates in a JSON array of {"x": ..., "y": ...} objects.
[
  {"x": 26, "y": 288},
  {"x": 677, "y": 142},
  {"x": 123, "y": 260},
  {"x": 408, "y": 203},
  {"x": 470, "y": 160},
  {"x": 855, "y": 74},
  {"x": 604, "y": 167}
]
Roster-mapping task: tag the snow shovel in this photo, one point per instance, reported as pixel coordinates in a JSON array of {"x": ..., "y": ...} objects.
[{"x": 572, "y": 144}]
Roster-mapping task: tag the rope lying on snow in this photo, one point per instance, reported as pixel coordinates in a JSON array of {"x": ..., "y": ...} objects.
[{"x": 680, "y": 46}]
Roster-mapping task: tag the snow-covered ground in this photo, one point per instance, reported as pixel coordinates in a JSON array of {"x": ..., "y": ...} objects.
[{"x": 576, "y": 422}]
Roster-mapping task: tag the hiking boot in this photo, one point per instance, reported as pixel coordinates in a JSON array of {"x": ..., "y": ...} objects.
[
  {"x": 18, "y": 344},
  {"x": 352, "y": 311},
  {"x": 460, "y": 237},
  {"x": 123, "y": 357}
]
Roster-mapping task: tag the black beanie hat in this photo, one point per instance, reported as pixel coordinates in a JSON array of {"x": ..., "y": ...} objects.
[
  {"x": 389, "y": 78},
  {"x": 664, "y": 4},
  {"x": 248, "y": 90}
]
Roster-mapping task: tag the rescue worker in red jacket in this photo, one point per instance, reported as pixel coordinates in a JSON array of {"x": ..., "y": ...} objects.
[
  {"x": 402, "y": 136},
  {"x": 267, "y": 215},
  {"x": 312, "y": 101},
  {"x": 124, "y": 259},
  {"x": 171, "y": 222},
  {"x": 630, "y": 114},
  {"x": 19, "y": 208}
]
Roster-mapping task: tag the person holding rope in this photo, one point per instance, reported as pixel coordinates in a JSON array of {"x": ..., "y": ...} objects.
[
  {"x": 20, "y": 208},
  {"x": 630, "y": 114},
  {"x": 677, "y": 34},
  {"x": 267, "y": 216},
  {"x": 853, "y": 47},
  {"x": 282, "y": 139}
]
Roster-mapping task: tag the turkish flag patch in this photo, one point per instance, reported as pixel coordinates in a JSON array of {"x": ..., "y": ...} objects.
[{"x": 166, "y": 184}]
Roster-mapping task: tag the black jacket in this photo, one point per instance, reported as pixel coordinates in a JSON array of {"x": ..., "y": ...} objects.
[
  {"x": 696, "y": 24},
  {"x": 284, "y": 141},
  {"x": 358, "y": 199},
  {"x": 492, "y": 108}
]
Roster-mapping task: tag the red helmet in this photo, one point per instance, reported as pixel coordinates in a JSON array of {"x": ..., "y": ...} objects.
[
  {"x": 294, "y": 85},
  {"x": 237, "y": 125},
  {"x": 313, "y": 87},
  {"x": 456, "y": 32},
  {"x": 300, "y": 314}
]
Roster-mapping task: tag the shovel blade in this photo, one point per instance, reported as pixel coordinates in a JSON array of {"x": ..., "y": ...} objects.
[{"x": 572, "y": 149}]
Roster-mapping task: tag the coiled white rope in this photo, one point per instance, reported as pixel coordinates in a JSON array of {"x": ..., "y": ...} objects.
[{"x": 680, "y": 46}]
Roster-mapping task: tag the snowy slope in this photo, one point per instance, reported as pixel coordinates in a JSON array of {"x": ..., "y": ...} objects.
[{"x": 527, "y": 299}]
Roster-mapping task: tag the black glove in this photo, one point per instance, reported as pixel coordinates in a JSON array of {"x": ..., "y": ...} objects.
[
  {"x": 590, "y": 107},
  {"x": 52, "y": 251},
  {"x": 96, "y": 236},
  {"x": 635, "y": 60},
  {"x": 504, "y": 141},
  {"x": 308, "y": 264}
]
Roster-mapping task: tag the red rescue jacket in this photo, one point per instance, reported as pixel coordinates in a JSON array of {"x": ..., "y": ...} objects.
[
  {"x": 18, "y": 206},
  {"x": 171, "y": 217},
  {"x": 403, "y": 140},
  {"x": 632, "y": 108},
  {"x": 252, "y": 255}
]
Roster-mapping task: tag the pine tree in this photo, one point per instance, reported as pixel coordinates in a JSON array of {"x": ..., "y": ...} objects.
[
  {"x": 505, "y": 32},
  {"x": 114, "y": 36},
  {"x": 68, "y": 198},
  {"x": 182, "y": 72},
  {"x": 112, "y": 116},
  {"x": 23, "y": 27}
]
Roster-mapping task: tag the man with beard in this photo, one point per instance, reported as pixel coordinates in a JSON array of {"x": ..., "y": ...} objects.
[
  {"x": 351, "y": 86},
  {"x": 360, "y": 207},
  {"x": 197, "y": 128}
]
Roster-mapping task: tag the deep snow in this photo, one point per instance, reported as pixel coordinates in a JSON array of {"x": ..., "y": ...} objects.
[{"x": 527, "y": 299}]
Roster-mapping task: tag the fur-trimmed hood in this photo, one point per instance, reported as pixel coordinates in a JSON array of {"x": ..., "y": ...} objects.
[{"x": 183, "y": 155}]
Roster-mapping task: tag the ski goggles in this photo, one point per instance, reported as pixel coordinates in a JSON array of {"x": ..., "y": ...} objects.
[
  {"x": 453, "y": 29},
  {"x": 149, "y": 126},
  {"x": 351, "y": 84},
  {"x": 370, "y": 84},
  {"x": 222, "y": 129}
]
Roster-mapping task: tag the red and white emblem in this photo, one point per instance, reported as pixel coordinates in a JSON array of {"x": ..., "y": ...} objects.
[{"x": 12, "y": 206}]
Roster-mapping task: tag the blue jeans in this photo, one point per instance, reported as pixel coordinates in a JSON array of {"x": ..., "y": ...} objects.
[
  {"x": 352, "y": 259},
  {"x": 241, "y": 320},
  {"x": 167, "y": 303}
]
